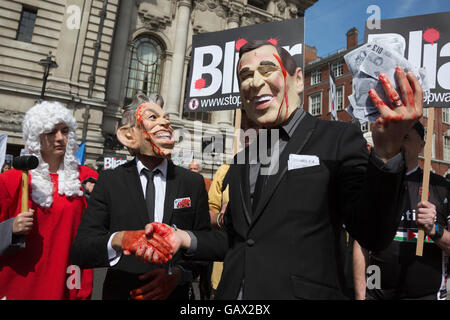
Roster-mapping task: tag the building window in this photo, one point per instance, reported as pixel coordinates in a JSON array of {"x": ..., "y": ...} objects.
[
  {"x": 447, "y": 148},
  {"x": 261, "y": 4},
  {"x": 445, "y": 115},
  {"x": 337, "y": 68},
  {"x": 315, "y": 104},
  {"x": 146, "y": 65},
  {"x": 198, "y": 116},
  {"x": 316, "y": 77},
  {"x": 339, "y": 98},
  {"x": 26, "y": 25}
]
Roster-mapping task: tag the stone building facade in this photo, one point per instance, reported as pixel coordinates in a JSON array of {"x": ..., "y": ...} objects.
[
  {"x": 106, "y": 50},
  {"x": 68, "y": 30}
]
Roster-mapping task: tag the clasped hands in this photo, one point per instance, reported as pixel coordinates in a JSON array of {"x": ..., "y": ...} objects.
[{"x": 154, "y": 245}]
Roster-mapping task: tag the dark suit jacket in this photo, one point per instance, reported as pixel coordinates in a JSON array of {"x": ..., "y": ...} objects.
[
  {"x": 289, "y": 247},
  {"x": 117, "y": 204}
]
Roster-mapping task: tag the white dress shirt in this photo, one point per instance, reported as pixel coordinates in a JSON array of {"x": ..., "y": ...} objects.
[{"x": 159, "y": 181}]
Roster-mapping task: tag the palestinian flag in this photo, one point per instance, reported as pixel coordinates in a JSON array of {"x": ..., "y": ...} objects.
[{"x": 410, "y": 235}]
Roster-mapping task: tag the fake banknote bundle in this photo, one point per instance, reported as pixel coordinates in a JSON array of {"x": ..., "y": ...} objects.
[{"x": 382, "y": 55}]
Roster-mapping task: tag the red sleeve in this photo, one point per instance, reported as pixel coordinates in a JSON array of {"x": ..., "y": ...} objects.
[
  {"x": 87, "y": 275},
  {"x": 86, "y": 284},
  {"x": 10, "y": 194},
  {"x": 86, "y": 172}
]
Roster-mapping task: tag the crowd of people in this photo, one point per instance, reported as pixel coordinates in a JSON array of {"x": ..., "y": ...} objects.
[{"x": 278, "y": 225}]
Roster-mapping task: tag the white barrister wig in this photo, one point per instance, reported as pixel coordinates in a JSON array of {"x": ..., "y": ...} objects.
[{"x": 42, "y": 118}]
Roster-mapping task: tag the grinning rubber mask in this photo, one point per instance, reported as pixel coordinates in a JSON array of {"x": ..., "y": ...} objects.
[
  {"x": 152, "y": 134},
  {"x": 269, "y": 94}
]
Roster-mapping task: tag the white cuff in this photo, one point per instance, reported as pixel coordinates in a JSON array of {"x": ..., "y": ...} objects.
[{"x": 113, "y": 255}]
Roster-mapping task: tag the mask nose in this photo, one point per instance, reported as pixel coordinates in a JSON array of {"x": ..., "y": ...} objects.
[{"x": 258, "y": 80}]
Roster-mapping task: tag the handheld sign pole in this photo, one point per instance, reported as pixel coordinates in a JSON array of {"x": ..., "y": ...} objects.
[{"x": 426, "y": 174}]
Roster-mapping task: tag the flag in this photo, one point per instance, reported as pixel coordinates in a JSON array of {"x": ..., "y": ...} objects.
[
  {"x": 81, "y": 153},
  {"x": 333, "y": 96},
  {"x": 3, "y": 139}
]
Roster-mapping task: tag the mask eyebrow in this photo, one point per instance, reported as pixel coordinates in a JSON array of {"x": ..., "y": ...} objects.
[
  {"x": 243, "y": 70},
  {"x": 267, "y": 63},
  {"x": 151, "y": 110}
]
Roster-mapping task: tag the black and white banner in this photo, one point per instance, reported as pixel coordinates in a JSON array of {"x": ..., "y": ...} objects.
[
  {"x": 212, "y": 81},
  {"x": 427, "y": 44}
]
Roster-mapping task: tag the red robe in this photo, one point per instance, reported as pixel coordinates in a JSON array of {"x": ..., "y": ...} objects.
[{"x": 41, "y": 269}]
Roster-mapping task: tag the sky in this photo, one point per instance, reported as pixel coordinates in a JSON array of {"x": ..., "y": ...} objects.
[{"x": 327, "y": 21}]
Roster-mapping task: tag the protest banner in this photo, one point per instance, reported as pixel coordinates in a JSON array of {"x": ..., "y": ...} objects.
[
  {"x": 426, "y": 44},
  {"x": 212, "y": 82}
]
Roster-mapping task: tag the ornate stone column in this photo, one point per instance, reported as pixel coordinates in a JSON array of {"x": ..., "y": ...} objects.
[
  {"x": 234, "y": 14},
  {"x": 176, "y": 73}
]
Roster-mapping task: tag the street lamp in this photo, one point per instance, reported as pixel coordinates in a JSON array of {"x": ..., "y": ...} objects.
[{"x": 47, "y": 63}]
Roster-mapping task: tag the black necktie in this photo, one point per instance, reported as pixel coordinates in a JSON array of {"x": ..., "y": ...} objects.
[
  {"x": 258, "y": 190},
  {"x": 262, "y": 178},
  {"x": 150, "y": 193}
]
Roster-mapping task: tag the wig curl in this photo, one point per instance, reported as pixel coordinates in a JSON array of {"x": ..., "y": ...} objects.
[{"x": 42, "y": 118}]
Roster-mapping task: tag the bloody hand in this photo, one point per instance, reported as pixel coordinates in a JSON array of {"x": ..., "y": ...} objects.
[
  {"x": 166, "y": 232},
  {"x": 397, "y": 118},
  {"x": 159, "y": 287},
  {"x": 147, "y": 248}
]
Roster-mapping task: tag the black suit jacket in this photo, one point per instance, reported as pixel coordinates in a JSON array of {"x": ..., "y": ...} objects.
[
  {"x": 289, "y": 247},
  {"x": 117, "y": 204}
]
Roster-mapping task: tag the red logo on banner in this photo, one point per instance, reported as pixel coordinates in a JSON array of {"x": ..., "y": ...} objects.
[
  {"x": 431, "y": 35},
  {"x": 200, "y": 83}
]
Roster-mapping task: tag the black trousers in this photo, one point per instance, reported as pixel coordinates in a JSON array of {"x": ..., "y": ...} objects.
[{"x": 118, "y": 284}]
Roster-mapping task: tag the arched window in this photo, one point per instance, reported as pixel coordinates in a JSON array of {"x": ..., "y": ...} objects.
[{"x": 146, "y": 66}]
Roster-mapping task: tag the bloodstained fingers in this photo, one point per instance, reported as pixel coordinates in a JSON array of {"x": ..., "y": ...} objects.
[
  {"x": 405, "y": 87},
  {"x": 379, "y": 103},
  {"x": 161, "y": 229},
  {"x": 163, "y": 254},
  {"x": 149, "y": 252},
  {"x": 418, "y": 93},
  {"x": 163, "y": 243},
  {"x": 391, "y": 93},
  {"x": 386, "y": 114}
]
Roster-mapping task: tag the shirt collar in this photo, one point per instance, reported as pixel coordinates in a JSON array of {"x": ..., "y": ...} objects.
[
  {"x": 412, "y": 171},
  {"x": 293, "y": 121},
  {"x": 162, "y": 166}
]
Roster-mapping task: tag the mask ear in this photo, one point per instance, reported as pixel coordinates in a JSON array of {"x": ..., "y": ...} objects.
[
  {"x": 127, "y": 137},
  {"x": 299, "y": 86}
]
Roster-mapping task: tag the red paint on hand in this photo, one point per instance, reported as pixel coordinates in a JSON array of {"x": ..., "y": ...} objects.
[
  {"x": 377, "y": 101},
  {"x": 133, "y": 240}
]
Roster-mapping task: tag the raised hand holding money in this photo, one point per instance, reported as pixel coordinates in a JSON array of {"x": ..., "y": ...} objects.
[
  {"x": 366, "y": 63},
  {"x": 397, "y": 118}
]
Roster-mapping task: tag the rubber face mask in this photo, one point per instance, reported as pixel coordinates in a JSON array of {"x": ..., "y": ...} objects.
[
  {"x": 155, "y": 131},
  {"x": 152, "y": 135},
  {"x": 269, "y": 94}
]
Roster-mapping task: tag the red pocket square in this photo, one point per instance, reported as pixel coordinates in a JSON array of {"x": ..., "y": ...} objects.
[{"x": 182, "y": 203}]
